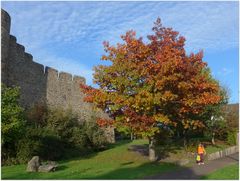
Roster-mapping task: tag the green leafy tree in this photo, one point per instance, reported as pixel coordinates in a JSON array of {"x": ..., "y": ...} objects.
[
  {"x": 214, "y": 116},
  {"x": 12, "y": 115},
  {"x": 13, "y": 122}
]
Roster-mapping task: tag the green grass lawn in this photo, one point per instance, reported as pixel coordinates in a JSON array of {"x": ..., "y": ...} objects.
[
  {"x": 176, "y": 151},
  {"x": 217, "y": 147},
  {"x": 227, "y": 173},
  {"x": 114, "y": 163}
]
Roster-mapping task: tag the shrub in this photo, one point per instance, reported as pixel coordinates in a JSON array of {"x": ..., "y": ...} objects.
[
  {"x": 37, "y": 115},
  {"x": 62, "y": 122},
  {"x": 65, "y": 124},
  {"x": 28, "y": 147},
  {"x": 232, "y": 137},
  {"x": 54, "y": 134},
  {"x": 79, "y": 138},
  {"x": 192, "y": 145},
  {"x": 96, "y": 137},
  {"x": 53, "y": 148},
  {"x": 41, "y": 142},
  {"x": 12, "y": 123},
  {"x": 10, "y": 161}
]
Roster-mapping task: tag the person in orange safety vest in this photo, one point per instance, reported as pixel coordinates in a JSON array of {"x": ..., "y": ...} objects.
[{"x": 200, "y": 152}]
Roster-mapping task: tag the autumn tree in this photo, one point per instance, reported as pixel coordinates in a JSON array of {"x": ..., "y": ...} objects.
[{"x": 152, "y": 82}]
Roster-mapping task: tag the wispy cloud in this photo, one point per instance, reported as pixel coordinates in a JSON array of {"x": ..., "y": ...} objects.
[
  {"x": 66, "y": 65},
  {"x": 54, "y": 31},
  {"x": 212, "y": 25},
  {"x": 225, "y": 71}
]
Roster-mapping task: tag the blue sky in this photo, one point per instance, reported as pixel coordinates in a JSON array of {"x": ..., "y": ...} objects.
[{"x": 68, "y": 35}]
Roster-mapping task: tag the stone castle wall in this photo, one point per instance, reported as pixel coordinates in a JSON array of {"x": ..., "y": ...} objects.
[{"x": 40, "y": 84}]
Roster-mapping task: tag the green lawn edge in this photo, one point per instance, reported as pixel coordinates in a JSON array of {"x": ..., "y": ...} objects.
[
  {"x": 115, "y": 163},
  {"x": 230, "y": 172}
]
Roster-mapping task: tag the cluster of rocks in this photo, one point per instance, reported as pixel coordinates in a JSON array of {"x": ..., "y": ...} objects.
[{"x": 34, "y": 165}]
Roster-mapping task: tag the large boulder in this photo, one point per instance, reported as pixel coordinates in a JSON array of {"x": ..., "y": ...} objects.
[{"x": 33, "y": 164}]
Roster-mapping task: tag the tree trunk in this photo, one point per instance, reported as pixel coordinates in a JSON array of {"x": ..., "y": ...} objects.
[
  {"x": 213, "y": 138},
  {"x": 132, "y": 136},
  {"x": 178, "y": 135},
  {"x": 185, "y": 139},
  {"x": 185, "y": 142},
  {"x": 152, "y": 149}
]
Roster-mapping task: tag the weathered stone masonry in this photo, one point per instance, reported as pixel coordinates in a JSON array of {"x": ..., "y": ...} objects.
[{"x": 39, "y": 84}]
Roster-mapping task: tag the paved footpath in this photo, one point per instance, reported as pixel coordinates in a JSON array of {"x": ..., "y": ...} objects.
[{"x": 197, "y": 171}]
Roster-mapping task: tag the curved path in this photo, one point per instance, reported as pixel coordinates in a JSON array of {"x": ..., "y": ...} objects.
[{"x": 197, "y": 171}]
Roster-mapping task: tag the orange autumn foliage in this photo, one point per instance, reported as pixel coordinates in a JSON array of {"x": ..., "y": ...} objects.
[{"x": 153, "y": 82}]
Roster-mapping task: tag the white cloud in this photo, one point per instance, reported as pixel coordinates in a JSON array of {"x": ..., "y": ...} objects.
[
  {"x": 212, "y": 25},
  {"x": 65, "y": 65},
  {"x": 40, "y": 26},
  {"x": 225, "y": 71}
]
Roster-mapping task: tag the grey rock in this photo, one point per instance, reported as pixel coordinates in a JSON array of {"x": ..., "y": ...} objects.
[
  {"x": 50, "y": 166},
  {"x": 33, "y": 164},
  {"x": 53, "y": 163},
  {"x": 47, "y": 168}
]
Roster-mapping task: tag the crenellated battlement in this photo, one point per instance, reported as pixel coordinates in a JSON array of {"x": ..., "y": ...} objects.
[
  {"x": 13, "y": 39},
  {"x": 17, "y": 53},
  {"x": 40, "y": 84},
  {"x": 14, "y": 53},
  {"x": 5, "y": 20}
]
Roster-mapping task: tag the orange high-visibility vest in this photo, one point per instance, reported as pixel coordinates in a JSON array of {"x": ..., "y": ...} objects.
[{"x": 201, "y": 150}]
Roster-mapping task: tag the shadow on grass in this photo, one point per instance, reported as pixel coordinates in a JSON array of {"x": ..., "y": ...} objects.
[
  {"x": 150, "y": 171},
  {"x": 90, "y": 153},
  {"x": 118, "y": 143},
  {"x": 144, "y": 171},
  {"x": 61, "y": 167},
  {"x": 127, "y": 163},
  {"x": 163, "y": 151}
]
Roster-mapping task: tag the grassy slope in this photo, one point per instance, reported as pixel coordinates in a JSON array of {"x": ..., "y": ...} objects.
[
  {"x": 177, "y": 152},
  {"x": 230, "y": 172},
  {"x": 218, "y": 147},
  {"x": 115, "y": 163}
]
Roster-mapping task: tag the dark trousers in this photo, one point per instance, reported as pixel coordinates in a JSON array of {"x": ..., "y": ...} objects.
[{"x": 201, "y": 158}]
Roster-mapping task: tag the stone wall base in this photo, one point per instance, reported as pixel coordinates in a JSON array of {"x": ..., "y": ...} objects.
[{"x": 223, "y": 153}]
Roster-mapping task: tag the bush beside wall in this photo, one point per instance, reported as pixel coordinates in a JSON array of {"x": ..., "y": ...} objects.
[{"x": 53, "y": 134}]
